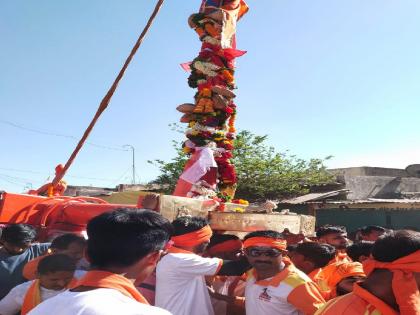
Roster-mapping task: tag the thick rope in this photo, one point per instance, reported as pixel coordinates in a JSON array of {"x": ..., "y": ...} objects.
[{"x": 105, "y": 101}]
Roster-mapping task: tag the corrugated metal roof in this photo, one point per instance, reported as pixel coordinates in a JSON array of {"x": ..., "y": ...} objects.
[
  {"x": 374, "y": 200},
  {"x": 315, "y": 196}
]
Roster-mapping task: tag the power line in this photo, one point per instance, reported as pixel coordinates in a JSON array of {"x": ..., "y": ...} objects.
[
  {"x": 54, "y": 134},
  {"x": 19, "y": 179},
  {"x": 10, "y": 181},
  {"x": 43, "y": 173},
  {"x": 116, "y": 181}
]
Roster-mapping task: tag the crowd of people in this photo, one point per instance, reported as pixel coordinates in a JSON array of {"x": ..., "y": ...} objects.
[{"x": 137, "y": 262}]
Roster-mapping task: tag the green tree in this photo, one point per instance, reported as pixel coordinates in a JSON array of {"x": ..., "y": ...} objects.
[{"x": 262, "y": 172}]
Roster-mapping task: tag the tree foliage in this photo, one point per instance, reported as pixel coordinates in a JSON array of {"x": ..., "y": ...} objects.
[{"x": 262, "y": 172}]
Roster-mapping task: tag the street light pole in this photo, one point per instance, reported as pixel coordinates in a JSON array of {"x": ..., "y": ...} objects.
[{"x": 133, "y": 181}]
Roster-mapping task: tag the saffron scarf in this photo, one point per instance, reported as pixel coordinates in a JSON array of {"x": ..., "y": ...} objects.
[
  {"x": 32, "y": 298},
  {"x": 109, "y": 280},
  {"x": 404, "y": 284}
]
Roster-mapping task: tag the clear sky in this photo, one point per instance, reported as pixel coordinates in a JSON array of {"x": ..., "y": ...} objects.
[{"x": 320, "y": 78}]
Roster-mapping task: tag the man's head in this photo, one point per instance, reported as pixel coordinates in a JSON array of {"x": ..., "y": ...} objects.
[
  {"x": 345, "y": 275},
  {"x": 310, "y": 256},
  {"x": 128, "y": 241},
  {"x": 360, "y": 251},
  {"x": 69, "y": 244},
  {"x": 225, "y": 246},
  {"x": 191, "y": 233},
  {"x": 333, "y": 235},
  {"x": 16, "y": 238},
  {"x": 371, "y": 232},
  {"x": 55, "y": 271},
  {"x": 265, "y": 249},
  {"x": 395, "y": 245}
]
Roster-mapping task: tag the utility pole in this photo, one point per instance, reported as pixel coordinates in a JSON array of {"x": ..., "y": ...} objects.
[{"x": 133, "y": 181}]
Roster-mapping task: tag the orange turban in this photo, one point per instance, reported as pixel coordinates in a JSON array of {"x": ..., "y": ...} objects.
[
  {"x": 404, "y": 284},
  {"x": 265, "y": 242},
  {"x": 345, "y": 270},
  {"x": 193, "y": 238}
]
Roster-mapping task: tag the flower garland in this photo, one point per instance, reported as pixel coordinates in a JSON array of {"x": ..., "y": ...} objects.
[{"x": 211, "y": 119}]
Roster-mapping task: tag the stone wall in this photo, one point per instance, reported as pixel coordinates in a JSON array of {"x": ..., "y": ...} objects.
[{"x": 363, "y": 187}]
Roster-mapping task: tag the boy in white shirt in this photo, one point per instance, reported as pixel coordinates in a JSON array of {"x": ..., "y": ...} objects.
[
  {"x": 55, "y": 272},
  {"x": 181, "y": 286},
  {"x": 123, "y": 245}
]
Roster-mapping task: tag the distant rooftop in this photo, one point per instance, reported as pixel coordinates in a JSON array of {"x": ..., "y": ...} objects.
[{"x": 371, "y": 171}]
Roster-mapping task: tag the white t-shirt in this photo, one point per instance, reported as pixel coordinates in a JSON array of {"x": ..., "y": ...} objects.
[
  {"x": 13, "y": 301},
  {"x": 95, "y": 302},
  {"x": 180, "y": 284},
  {"x": 290, "y": 292}
]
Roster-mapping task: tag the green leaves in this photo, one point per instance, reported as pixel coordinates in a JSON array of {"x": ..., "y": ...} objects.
[{"x": 262, "y": 172}]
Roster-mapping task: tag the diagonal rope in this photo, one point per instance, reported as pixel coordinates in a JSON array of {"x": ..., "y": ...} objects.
[{"x": 105, "y": 101}]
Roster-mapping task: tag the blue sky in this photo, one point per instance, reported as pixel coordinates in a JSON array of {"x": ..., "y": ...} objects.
[{"x": 320, "y": 78}]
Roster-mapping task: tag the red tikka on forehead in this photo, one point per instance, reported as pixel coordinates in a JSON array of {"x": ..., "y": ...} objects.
[
  {"x": 193, "y": 238},
  {"x": 226, "y": 246},
  {"x": 259, "y": 241}
]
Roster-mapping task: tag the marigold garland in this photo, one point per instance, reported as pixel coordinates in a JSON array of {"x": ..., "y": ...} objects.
[{"x": 212, "y": 120}]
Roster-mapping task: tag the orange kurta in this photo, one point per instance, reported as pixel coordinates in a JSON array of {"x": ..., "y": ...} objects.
[{"x": 359, "y": 302}]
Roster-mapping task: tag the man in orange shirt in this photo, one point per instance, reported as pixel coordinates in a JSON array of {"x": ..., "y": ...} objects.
[
  {"x": 311, "y": 257},
  {"x": 335, "y": 236},
  {"x": 276, "y": 286},
  {"x": 342, "y": 276},
  {"x": 393, "y": 280}
]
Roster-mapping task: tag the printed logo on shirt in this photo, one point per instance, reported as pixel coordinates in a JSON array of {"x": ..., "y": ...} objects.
[{"x": 264, "y": 296}]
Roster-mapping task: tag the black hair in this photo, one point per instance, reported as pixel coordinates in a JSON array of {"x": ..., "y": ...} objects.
[
  {"x": 319, "y": 254},
  {"x": 188, "y": 224},
  {"x": 124, "y": 236},
  {"x": 56, "y": 262},
  {"x": 265, "y": 233},
  {"x": 395, "y": 245},
  {"x": 291, "y": 248},
  {"x": 64, "y": 241},
  {"x": 220, "y": 238},
  {"x": 366, "y": 230},
  {"x": 330, "y": 229},
  {"x": 18, "y": 234},
  {"x": 362, "y": 248}
]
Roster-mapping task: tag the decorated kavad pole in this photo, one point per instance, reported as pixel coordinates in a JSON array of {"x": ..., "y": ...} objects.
[{"x": 210, "y": 173}]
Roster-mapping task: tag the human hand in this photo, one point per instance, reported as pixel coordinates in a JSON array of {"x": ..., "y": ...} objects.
[{"x": 151, "y": 201}]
